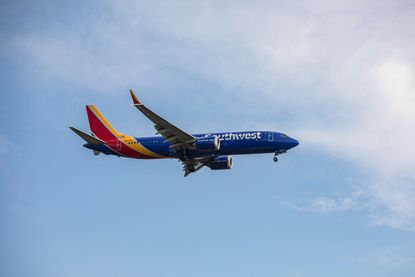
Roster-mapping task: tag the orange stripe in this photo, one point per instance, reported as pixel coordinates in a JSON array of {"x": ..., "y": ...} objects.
[
  {"x": 135, "y": 99},
  {"x": 98, "y": 127},
  {"x": 141, "y": 149},
  {"x": 104, "y": 120}
]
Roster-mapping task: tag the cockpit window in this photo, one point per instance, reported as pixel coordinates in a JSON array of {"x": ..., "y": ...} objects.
[{"x": 283, "y": 135}]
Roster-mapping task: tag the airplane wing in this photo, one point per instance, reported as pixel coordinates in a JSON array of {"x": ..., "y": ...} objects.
[{"x": 178, "y": 138}]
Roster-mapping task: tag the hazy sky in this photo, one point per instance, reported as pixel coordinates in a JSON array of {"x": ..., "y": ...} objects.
[{"x": 339, "y": 77}]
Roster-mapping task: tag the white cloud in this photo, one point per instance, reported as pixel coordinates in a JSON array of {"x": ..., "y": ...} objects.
[
  {"x": 380, "y": 137},
  {"x": 325, "y": 204},
  {"x": 357, "y": 201},
  {"x": 344, "y": 71}
]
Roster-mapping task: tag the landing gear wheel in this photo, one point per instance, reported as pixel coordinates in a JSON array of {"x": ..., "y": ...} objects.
[{"x": 275, "y": 159}]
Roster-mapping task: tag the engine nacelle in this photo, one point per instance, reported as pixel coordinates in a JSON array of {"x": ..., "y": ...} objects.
[
  {"x": 222, "y": 162},
  {"x": 208, "y": 144}
]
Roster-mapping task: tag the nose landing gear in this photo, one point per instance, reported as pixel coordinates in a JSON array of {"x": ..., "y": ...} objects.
[{"x": 277, "y": 153}]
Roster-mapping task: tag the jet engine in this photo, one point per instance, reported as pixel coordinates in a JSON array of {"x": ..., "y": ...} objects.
[
  {"x": 221, "y": 162},
  {"x": 208, "y": 144}
]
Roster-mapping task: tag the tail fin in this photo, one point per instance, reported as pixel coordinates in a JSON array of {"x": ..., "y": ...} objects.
[{"x": 100, "y": 126}]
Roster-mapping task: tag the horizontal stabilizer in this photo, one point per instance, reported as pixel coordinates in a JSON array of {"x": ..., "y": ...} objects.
[{"x": 88, "y": 138}]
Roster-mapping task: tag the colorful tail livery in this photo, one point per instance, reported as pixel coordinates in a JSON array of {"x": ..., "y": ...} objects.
[{"x": 195, "y": 151}]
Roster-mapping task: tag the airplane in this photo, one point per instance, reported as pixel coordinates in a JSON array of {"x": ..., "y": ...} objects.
[{"x": 195, "y": 151}]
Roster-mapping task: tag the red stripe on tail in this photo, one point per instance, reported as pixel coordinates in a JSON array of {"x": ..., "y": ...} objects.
[{"x": 97, "y": 127}]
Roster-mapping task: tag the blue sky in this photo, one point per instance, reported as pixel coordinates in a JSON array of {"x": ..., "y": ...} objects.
[{"x": 338, "y": 77}]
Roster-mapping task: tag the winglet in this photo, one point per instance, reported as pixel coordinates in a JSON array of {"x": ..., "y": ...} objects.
[{"x": 135, "y": 99}]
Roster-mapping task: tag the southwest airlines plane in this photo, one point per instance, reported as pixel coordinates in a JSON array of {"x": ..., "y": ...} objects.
[{"x": 195, "y": 151}]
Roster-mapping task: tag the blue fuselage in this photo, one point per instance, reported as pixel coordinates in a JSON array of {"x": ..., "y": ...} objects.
[{"x": 231, "y": 143}]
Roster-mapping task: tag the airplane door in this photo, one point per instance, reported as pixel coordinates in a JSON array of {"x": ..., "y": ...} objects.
[
  {"x": 270, "y": 136},
  {"x": 118, "y": 145}
]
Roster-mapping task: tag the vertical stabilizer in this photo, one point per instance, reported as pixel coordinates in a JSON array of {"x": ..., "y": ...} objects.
[{"x": 100, "y": 126}]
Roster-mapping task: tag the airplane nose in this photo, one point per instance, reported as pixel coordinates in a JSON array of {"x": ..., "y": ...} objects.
[{"x": 293, "y": 143}]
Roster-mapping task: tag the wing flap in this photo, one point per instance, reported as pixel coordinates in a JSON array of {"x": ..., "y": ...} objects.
[{"x": 193, "y": 165}]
